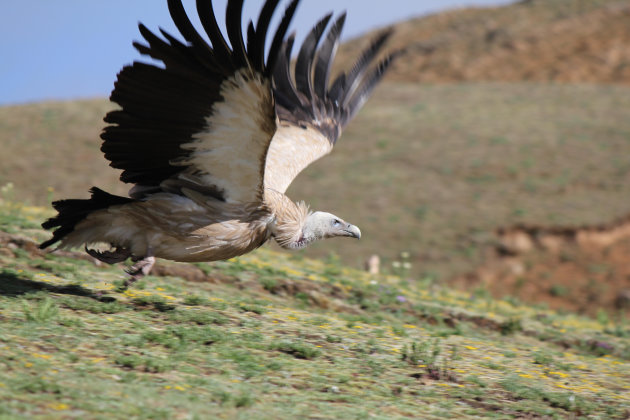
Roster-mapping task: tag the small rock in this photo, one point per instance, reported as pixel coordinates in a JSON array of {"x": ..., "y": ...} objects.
[
  {"x": 6, "y": 252},
  {"x": 623, "y": 299},
  {"x": 373, "y": 264}
]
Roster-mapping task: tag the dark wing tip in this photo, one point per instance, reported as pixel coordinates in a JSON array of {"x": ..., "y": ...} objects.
[
  {"x": 233, "y": 16},
  {"x": 309, "y": 100},
  {"x": 326, "y": 55},
  {"x": 278, "y": 38},
  {"x": 369, "y": 82},
  {"x": 306, "y": 57}
]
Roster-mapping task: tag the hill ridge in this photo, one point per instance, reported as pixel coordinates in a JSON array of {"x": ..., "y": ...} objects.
[{"x": 567, "y": 41}]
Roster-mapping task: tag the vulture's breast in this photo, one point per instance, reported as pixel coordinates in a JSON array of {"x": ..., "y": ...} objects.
[{"x": 181, "y": 229}]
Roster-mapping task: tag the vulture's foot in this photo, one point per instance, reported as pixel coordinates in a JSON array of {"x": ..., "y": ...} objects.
[
  {"x": 110, "y": 257},
  {"x": 141, "y": 268}
]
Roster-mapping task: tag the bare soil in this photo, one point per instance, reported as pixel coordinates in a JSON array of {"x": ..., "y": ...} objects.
[{"x": 584, "y": 269}]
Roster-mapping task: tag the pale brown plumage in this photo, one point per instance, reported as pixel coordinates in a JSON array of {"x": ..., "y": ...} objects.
[{"x": 213, "y": 139}]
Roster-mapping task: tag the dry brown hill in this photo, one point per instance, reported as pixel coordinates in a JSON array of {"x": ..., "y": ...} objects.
[{"x": 532, "y": 40}]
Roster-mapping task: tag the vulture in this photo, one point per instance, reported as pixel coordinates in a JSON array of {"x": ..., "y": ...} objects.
[{"x": 211, "y": 135}]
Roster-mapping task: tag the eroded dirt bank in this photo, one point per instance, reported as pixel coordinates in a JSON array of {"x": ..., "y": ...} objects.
[{"x": 583, "y": 269}]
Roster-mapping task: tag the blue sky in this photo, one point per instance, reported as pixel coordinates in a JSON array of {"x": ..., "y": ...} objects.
[{"x": 67, "y": 49}]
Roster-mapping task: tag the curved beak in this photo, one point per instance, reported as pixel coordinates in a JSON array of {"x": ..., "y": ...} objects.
[{"x": 353, "y": 231}]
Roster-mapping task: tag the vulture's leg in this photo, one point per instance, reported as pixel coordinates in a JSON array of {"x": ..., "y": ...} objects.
[
  {"x": 110, "y": 257},
  {"x": 141, "y": 268}
]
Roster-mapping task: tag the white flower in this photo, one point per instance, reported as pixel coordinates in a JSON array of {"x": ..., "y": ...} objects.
[{"x": 6, "y": 187}]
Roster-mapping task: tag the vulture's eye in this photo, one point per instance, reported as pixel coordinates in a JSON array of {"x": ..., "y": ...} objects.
[{"x": 336, "y": 223}]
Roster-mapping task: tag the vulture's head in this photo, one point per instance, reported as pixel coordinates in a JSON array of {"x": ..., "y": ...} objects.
[{"x": 322, "y": 225}]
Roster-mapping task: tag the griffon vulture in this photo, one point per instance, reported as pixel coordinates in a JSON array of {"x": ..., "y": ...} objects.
[{"x": 212, "y": 138}]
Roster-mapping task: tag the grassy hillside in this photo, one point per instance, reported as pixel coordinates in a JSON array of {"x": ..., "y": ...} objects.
[
  {"x": 51, "y": 149},
  {"x": 430, "y": 170},
  {"x": 572, "y": 41},
  {"x": 275, "y": 336}
]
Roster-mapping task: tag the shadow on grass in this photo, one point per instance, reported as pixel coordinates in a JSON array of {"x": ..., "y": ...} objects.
[{"x": 13, "y": 285}]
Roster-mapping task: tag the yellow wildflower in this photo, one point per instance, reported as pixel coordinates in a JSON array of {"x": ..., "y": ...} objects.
[
  {"x": 560, "y": 374},
  {"x": 42, "y": 356}
]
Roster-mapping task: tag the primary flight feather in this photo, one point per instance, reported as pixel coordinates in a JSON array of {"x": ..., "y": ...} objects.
[{"x": 213, "y": 137}]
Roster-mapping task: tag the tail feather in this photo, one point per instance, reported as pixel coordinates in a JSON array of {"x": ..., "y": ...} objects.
[{"x": 73, "y": 211}]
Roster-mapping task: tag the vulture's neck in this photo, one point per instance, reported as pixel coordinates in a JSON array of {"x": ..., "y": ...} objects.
[{"x": 290, "y": 218}]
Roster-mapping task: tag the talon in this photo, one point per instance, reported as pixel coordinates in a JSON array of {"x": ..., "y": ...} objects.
[{"x": 141, "y": 268}]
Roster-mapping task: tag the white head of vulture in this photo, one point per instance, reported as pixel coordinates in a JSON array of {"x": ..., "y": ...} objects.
[{"x": 213, "y": 138}]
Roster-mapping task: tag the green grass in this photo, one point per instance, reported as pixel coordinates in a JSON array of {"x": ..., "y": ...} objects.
[{"x": 314, "y": 338}]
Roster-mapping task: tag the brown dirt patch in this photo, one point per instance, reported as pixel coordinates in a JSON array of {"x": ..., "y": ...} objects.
[{"x": 582, "y": 269}]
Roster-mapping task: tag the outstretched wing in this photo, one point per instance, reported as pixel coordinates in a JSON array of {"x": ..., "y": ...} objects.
[
  {"x": 205, "y": 118},
  {"x": 312, "y": 114}
]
